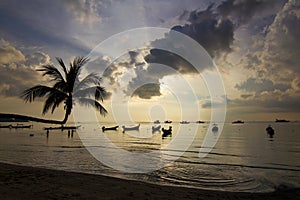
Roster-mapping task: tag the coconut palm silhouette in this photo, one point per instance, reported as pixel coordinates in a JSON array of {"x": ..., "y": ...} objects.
[{"x": 67, "y": 88}]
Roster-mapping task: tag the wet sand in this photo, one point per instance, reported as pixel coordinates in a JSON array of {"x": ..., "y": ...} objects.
[{"x": 19, "y": 182}]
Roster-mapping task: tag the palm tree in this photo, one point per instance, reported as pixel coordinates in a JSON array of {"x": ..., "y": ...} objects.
[{"x": 67, "y": 89}]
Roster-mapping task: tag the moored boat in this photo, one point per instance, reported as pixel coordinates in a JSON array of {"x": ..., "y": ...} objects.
[
  {"x": 156, "y": 128},
  {"x": 6, "y": 126},
  {"x": 21, "y": 126},
  {"x": 62, "y": 128},
  {"x": 238, "y": 122},
  {"x": 167, "y": 132},
  {"x": 168, "y": 122},
  {"x": 131, "y": 128},
  {"x": 113, "y": 128},
  {"x": 282, "y": 120},
  {"x": 184, "y": 122}
]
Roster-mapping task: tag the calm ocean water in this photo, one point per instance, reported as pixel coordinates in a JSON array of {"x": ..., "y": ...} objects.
[{"x": 244, "y": 158}]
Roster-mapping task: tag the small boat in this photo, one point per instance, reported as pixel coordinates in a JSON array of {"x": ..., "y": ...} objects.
[
  {"x": 62, "y": 128},
  {"x": 114, "y": 128},
  {"x": 215, "y": 128},
  {"x": 132, "y": 128},
  {"x": 6, "y": 126},
  {"x": 156, "y": 128},
  {"x": 282, "y": 120},
  {"x": 166, "y": 132},
  {"x": 200, "y": 122},
  {"x": 156, "y": 122},
  {"x": 168, "y": 122},
  {"x": 238, "y": 122},
  {"x": 21, "y": 126},
  {"x": 184, "y": 122},
  {"x": 270, "y": 131}
]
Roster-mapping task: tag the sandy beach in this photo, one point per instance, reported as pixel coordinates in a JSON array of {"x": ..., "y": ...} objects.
[{"x": 20, "y": 182}]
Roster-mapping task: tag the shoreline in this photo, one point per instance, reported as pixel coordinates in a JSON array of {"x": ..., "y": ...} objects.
[{"x": 22, "y": 182}]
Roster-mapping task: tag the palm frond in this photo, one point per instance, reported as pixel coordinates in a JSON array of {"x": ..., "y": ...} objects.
[
  {"x": 90, "y": 102},
  {"x": 61, "y": 85},
  {"x": 97, "y": 92},
  {"x": 52, "y": 72},
  {"x": 62, "y": 64},
  {"x": 54, "y": 99},
  {"x": 91, "y": 78},
  {"x": 37, "y": 91},
  {"x": 74, "y": 71}
]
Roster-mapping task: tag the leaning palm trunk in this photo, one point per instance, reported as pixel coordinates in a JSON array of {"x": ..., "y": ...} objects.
[
  {"x": 33, "y": 119},
  {"x": 67, "y": 89}
]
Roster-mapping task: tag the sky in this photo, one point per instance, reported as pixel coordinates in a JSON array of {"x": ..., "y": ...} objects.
[{"x": 253, "y": 43}]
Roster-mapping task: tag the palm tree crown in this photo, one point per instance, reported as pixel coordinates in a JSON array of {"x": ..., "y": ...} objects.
[{"x": 67, "y": 88}]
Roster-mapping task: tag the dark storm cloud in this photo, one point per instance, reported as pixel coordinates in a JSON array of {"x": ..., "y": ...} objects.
[
  {"x": 144, "y": 85},
  {"x": 209, "y": 30},
  {"x": 169, "y": 59},
  {"x": 147, "y": 91},
  {"x": 246, "y": 96},
  {"x": 242, "y": 11},
  {"x": 258, "y": 86},
  {"x": 206, "y": 28}
]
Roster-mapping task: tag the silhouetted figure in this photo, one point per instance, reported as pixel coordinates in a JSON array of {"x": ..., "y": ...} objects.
[
  {"x": 47, "y": 133},
  {"x": 270, "y": 131},
  {"x": 72, "y": 133},
  {"x": 68, "y": 133}
]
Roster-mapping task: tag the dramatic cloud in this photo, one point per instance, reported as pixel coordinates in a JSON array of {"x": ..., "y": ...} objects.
[
  {"x": 273, "y": 101},
  {"x": 17, "y": 72},
  {"x": 9, "y": 54},
  {"x": 209, "y": 30},
  {"x": 169, "y": 59},
  {"x": 147, "y": 91},
  {"x": 241, "y": 11},
  {"x": 282, "y": 46},
  {"x": 258, "y": 86}
]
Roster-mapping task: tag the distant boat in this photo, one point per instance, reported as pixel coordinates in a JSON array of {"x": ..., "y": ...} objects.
[
  {"x": 184, "y": 122},
  {"x": 114, "y": 128},
  {"x": 238, "y": 122},
  {"x": 200, "y": 122},
  {"x": 215, "y": 128},
  {"x": 156, "y": 122},
  {"x": 131, "y": 128},
  {"x": 270, "y": 131},
  {"x": 156, "y": 128},
  {"x": 6, "y": 126},
  {"x": 282, "y": 120},
  {"x": 168, "y": 122},
  {"x": 167, "y": 132},
  {"x": 21, "y": 126},
  {"x": 16, "y": 126},
  {"x": 62, "y": 128}
]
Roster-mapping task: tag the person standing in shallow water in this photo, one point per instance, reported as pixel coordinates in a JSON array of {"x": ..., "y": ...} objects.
[{"x": 270, "y": 131}]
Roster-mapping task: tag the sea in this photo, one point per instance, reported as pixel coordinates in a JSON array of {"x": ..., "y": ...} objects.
[{"x": 244, "y": 158}]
